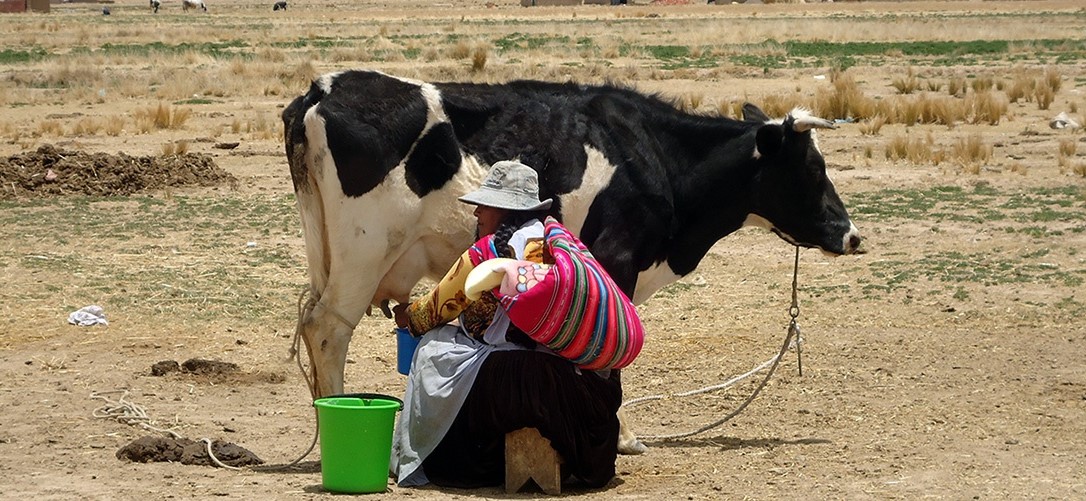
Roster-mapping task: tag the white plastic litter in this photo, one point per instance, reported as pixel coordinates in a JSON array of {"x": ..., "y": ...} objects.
[
  {"x": 87, "y": 316},
  {"x": 1062, "y": 121}
]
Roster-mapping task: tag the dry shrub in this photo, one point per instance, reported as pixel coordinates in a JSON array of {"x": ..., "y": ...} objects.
[
  {"x": 86, "y": 126},
  {"x": 946, "y": 110},
  {"x": 1080, "y": 169},
  {"x": 1053, "y": 79},
  {"x": 50, "y": 128},
  {"x": 971, "y": 152},
  {"x": 430, "y": 54},
  {"x": 175, "y": 148},
  {"x": 114, "y": 125},
  {"x": 906, "y": 84},
  {"x": 1067, "y": 147},
  {"x": 301, "y": 74},
  {"x": 776, "y": 105},
  {"x": 1021, "y": 88},
  {"x": 872, "y": 126},
  {"x": 956, "y": 86},
  {"x": 983, "y": 83},
  {"x": 162, "y": 116},
  {"x": 460, "y": 50},
  {"x": 479, "y": 56},
  {"x": 70, "y": 74},
  {"x": 844, "y": 100},
  {"x": 987, "y": 107},
  {"x": 691, "y": 102},
  {"x": 1044, "y": 94},
  {"x": 235, "y": 126},
  {"x": 917, "y": 150},
  {"x": 1019, "y": 169}
]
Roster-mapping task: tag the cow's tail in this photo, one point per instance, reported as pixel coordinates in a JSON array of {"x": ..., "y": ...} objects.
[{"x": 306, "y": 186}]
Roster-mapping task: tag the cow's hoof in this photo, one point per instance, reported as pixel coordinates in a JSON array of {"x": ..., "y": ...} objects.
[{"x": 632, "y": 447}]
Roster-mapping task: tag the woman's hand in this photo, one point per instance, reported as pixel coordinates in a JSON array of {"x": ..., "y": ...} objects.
[{"x": 399, "y": 314}]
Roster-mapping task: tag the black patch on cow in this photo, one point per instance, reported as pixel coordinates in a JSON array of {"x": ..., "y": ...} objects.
[
  {"x": 752, "y": 113},
  {"x": 434, "y": 161},
  {"x": 294, "y": 135},
  {"x": 371, "y": 121}
]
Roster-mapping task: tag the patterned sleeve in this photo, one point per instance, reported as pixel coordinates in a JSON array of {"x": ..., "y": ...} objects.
[{"x": 445, "y": 302}]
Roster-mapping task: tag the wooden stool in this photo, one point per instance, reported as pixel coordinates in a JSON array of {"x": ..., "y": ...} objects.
[{"x": 530, "y": 456}]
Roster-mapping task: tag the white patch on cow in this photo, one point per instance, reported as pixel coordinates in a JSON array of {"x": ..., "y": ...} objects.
[
  {"x": 324, "y": 82},
  {"x": 597, "y": 175},
  {"x": 757, "y": 221},
  {"x": 651, "y": 280},
  {"x": 846, "y": 241}
]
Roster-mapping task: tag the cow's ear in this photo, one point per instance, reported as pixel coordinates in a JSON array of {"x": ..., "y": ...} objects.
[
  {"x": 770, "y": 138},
  {"x": 752, "y": 113}
]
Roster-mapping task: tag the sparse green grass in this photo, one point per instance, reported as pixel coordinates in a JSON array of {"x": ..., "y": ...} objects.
[{"x": 167, "y": 255}]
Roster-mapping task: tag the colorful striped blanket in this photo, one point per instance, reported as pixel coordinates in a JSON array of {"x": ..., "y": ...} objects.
[{"x": 571, "y": 306}]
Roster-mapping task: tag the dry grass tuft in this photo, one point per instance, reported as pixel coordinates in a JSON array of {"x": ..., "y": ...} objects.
[
  {"x": 917, "y": 150},
  {"x": 1068, "y": 146},
  {"x": 1053, "y": 79},
  {"x": 956, "y": 86},
  {"x": 162, "y": 116},
  {"x": 988, "y": 107},
  {"x": 971, "y": 153},
  {"x": 906, "y": 84},
  {"x": 1044, "y": 94},
  {"x": 175, "y": 148},
  {"x": 872, "y": 126},
  {"x": 86, "y": 126},
  {"x": 50, "y": 128},
  {"x": 479, "y": 56}
]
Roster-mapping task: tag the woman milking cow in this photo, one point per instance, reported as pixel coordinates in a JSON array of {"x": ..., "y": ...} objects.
[{"x": 524, "y": 331}]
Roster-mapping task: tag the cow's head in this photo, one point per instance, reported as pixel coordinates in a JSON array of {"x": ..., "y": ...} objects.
[{"x": 792, "y": 195}]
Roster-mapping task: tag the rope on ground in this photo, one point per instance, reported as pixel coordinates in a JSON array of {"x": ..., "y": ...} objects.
[
  {"x": 793, "y": 331},
  {"x": 129, "y": 413},
  {"x": 126, "y": 412}
]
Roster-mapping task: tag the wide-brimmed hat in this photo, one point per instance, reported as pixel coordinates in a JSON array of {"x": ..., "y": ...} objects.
[{"x": 509, "y": 185}]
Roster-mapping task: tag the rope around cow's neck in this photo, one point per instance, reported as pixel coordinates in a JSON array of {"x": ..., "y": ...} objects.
[{"x": 793, "y": 331}]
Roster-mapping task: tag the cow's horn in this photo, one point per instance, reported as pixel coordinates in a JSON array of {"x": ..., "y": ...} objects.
[
  {"x": 804, "y": 123},
  {"x": 486, "y": 276}
]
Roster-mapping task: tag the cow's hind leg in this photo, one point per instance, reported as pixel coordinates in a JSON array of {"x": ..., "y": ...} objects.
[{"x": 627, "y": 441}]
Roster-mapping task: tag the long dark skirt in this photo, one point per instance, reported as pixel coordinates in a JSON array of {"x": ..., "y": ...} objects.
[{"x": 527, "y": 389}]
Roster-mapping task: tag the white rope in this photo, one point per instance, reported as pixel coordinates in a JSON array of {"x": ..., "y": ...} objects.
[
  {"x": 126, "y": 412},
  {"x": 772, "y": 363},
  {"x": 722, "y": 386}
]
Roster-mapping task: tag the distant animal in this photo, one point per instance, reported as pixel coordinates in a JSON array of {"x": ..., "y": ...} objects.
[
  {"x": 193, "y": 4},
  {"x": 1063, "y": 121},
  {"x": 378, "y": 162},
  {"x": 280, "y": 5},
  {"x": 155, "y": 4},
  {"x": 105, "y": 11}
]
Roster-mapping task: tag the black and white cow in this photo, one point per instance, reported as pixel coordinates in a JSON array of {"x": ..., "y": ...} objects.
[
  {"x": 155, "y": 4},
  {"x": 280, "y": 5},
  {"x": 378, "y": 162}
]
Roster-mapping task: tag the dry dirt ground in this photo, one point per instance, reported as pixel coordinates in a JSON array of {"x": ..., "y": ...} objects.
[{"x": 945, "y": 362}]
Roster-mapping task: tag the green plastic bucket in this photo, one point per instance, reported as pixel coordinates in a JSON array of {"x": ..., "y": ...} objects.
[{"x": 356, "y": 441}]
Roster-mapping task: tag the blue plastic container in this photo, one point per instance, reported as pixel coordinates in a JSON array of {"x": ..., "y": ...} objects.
[{"x": 405, "y": 350}]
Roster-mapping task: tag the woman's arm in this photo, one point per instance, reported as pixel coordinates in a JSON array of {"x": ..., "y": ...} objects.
[{"x": 444, "y": 302}]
